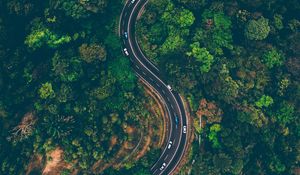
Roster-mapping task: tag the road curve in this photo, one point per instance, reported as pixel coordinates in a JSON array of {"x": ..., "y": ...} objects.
[{"x": 177, "y": 138}]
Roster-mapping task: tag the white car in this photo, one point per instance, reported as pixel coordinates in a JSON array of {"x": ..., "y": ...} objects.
[
  {"x": 169, "y": 87},
  {"x": 126, "y": 52},
  {"x": 170, "y": 144},
  {"x": 184, "y": 129},
  {"x": 162, "y": 167},
  {"x": 126, "y": 35},
  {"x": 132, "y": 1}
]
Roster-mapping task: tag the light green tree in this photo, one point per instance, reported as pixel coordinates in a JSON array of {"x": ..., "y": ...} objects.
[
  {"x": 202, "y": 56},
  {"x": 264, "y": 101},
  {"x": 285, "y": 113},
  {"x": 43, "y": 36},
  {"x": 273, "y": 58},
  {"x": 213, "y": 135},
  {"x": 177, "y": 17},
  {"x": 172, "y": 44},
  {"x": 46, "y": 91}
]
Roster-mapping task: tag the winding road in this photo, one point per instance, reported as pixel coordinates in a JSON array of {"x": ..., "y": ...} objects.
[{"x": 177, "y": 131}]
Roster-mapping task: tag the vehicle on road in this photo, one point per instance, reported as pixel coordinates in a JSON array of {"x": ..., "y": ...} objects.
[
  {"x": 163, "y": 166},
  {"x": 126, "y": 51},
  {"x": 170, "y": 144},
  {"x": 126, "y": 35},
  {"x": 176, "y": 121},
  {"x": 184, "y": 129},
  {"x": 173, "y": 149}
]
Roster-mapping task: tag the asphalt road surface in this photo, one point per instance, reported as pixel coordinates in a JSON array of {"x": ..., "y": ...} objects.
[{"x": 176, "y": 142}]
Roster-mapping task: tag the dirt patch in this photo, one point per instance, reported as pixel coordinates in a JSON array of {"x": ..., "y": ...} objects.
[
  {"x": 113, "y": 142},
  {"x": 116, "y": 161},
  {"x": 131, "y": 150},
  {"x": 36, "y": 164},
  {"x": 144, "y": 149},
  {"x": 297, "y": 171},
  {"x": 128, "y": 145},
  {"x": 129, "y": 130},
  {"x": 158, "y": 110},
  {"x": 55, "y": 163}
]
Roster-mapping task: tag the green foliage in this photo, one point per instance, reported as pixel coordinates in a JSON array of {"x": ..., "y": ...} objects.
[
  {"x": 252, "y": 116},
  {"x": 213, "y": 135},
  {"x": 41, "y": 37},
  {"x": 285, "y": 113},
  {"x": 81, "y": 9},
  {"x": 277, "y": 166},
  {"x": 294, "y": 25},
  {"x": 65, "y": 172},
  {"x": 102, "y": 93},
  {"x": 85, "y": 102},
  {"x": 120, "y": 69},
  {"x": 273, "y": 58},
  {"x": 278, "y": 21},
  {"x": 186, "y": 18},
  {"x": 217, "y": 35},
  {"x": 240, "y": 71},
  {"x": 46, "y": 91},
  {"x": 202, "y": 56},
  {"x": 173, "y": 43},
  {"x": 89, "y": 53},
  {"x": 264, "y": 101},
  {"x": 67, "y": 70},
  {"x": 64, "y": 94},
  {"x": 257, "y": 29},
  {"x": 178, "y": 17},
  {"x": 193, "y": 4},
  {"x": 222, "y": 162}
]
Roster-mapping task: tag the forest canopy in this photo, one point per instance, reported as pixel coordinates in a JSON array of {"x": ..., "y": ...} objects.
[
  {"x": 237, "y": 63},
  {"x": 65, "y": 84}
]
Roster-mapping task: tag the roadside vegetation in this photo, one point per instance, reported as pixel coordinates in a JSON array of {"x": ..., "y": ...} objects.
[
  {"x": 237, "y": 63},
  {"x": 70, "y": 103},
  {"x": 66, "y": 89}
]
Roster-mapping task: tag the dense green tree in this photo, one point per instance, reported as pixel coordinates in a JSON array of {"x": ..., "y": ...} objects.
[
  {"x": 67, "y": 70},
  {"x": 125, "y": 77},
  {"x": 253, "y": 116},
  {"x": 222, "y": 162},
  {"x": 213, "y": 135},
  {"x": 177, "y": 17},
  {"x": 278, "y": 21},
  {"x": 173, "y": 43},
  {"x": 202, "y": 56},
  {"x": 39, "y": 38},
  {"x": 92, "y": 52},
  {"x": 49, "y": 52},
  {"x": 273, "y": 58},
  {"x": 193, "y": 4},
  {"x": 257, "y": 29},
  {"x": 277, "y": 166},
  {"x": 285, "y": 113},
  {"x": 81, "y": 9},
  {"x": 102, "y": 92},
  {"x": 264, "y": 101},
  {"x": 46, "y": 91}
]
